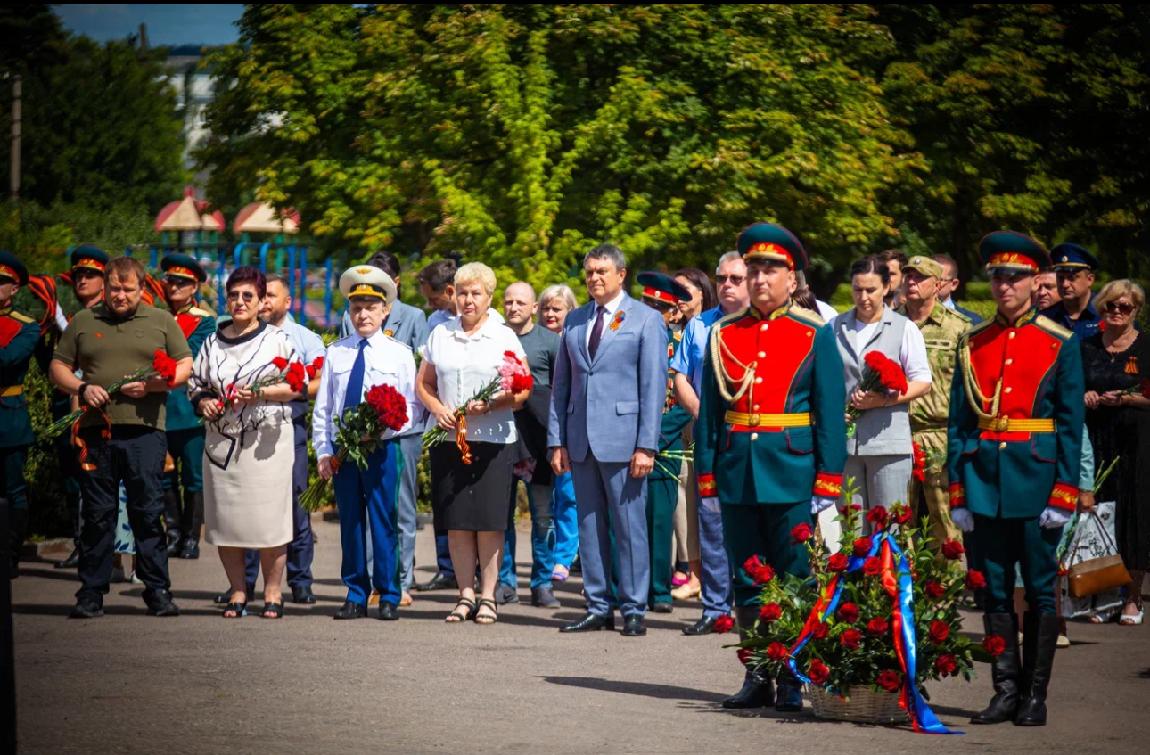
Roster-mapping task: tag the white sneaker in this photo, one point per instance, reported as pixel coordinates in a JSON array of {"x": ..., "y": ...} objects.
[
  {"x": 133, "y": 579},
  {"x": 1062, "y": 642}
]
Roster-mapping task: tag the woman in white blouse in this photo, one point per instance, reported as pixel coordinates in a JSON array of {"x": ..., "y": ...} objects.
[
  {"x": 880, "y": 453},
  {"x": 472, "y": 501}
]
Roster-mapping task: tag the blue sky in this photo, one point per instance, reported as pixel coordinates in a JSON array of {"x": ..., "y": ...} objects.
[{"x": 167, "y": 24}]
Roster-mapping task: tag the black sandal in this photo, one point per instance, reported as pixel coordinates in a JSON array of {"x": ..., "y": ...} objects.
[
  {"x": 237, "y": 610},
  {"x": 482, "y": 618},
  {"x": 272, "y": 611},
  {"x": 458, "y": 617}
]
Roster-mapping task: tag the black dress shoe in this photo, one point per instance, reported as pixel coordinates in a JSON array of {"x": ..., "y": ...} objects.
[
  {"x": 388, "y": 612},
  {"x": 544, "y": 597},
  {"x": 705, "y": 625},
  {"x": 160, "y": 603},
  {"x": 662, "y": 607},
  {"x": 190, "y": 549},
  {"x": 505, "y": 594},
  {"x": 174, "y": 541},
  {"x": 71, "y": 562},
  {"x": 757, "y": 692},
  {"x": 439, "y": 582},
  {"x": 633, "y": 626},
  {"x": 302, "y": 594},
  {"x": 87, "y": 608},
  {"x": 591, "y": 622},
  {"x": 351, "y": 610},
  {"x": 789, "y": 698}
]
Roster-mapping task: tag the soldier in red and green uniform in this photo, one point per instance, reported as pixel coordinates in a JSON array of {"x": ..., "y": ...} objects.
[
  {"x": 184, "y": 515},
  {"x": 770, "y": 441},
  {"x": 19, "y": 334},
  {"x": 662, "y": 293},
  {"x": 82, "y": 287},
  {"x": 1014, "y": 447}
]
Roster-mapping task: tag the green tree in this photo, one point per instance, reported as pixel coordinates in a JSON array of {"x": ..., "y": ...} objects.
[
  {"x": 1030, "y": 117},
  {"x": 521, "y": 135},
  {"x": 100, "y": 128}
]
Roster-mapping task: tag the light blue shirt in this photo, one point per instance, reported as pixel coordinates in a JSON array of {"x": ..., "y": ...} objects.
[
  {"x": 688, "y": 360},
  {"x": 306, "y": 342},
  {"x": 386, "y": 361}
]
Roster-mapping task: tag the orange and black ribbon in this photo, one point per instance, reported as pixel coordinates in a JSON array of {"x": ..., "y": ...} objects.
[
  {"x": 82, "y": 445},
  {"x": 461, "y": 437}
]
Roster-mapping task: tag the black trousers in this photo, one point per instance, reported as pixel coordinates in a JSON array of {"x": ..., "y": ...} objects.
[{"x": 135, "y": 456}]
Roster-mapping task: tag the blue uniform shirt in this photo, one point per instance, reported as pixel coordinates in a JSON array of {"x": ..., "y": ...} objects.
[
  {"x": 1085, "y": 326},
  {"x": 688, "y": 360}
]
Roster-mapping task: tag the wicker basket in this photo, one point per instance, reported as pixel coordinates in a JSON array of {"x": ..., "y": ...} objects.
[{"x": 862, "y": 705}]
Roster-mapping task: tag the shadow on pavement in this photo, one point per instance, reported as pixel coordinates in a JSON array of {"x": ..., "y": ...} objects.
[{"x": 659, "y": 691}]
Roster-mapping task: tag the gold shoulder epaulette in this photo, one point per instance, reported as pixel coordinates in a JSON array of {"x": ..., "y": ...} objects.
[
  {"x": 1053, "y": 328},
  {"x": 200, "y": 312},
  {"x": 808, "y": 316},
  {"x": 21, "y": 317},
  {"x": 728, "y": 319},
  {"x": 978, "y": 327}
]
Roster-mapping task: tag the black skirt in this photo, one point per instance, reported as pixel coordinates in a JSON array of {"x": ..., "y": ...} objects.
[{"x": 475, "y": 496}]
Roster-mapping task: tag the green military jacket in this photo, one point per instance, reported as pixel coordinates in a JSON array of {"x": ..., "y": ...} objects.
[
  {"x": 675, "y": 420},
  {"x": 942, "y": 330}
]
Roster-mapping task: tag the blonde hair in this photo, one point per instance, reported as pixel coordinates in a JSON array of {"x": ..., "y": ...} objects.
[
  {"x": 1117, "y": 289},
  {"x": 476, "y": 272}
]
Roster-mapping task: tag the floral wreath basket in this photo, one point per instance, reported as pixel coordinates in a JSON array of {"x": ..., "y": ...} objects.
[{"x": 871, "y": 624}]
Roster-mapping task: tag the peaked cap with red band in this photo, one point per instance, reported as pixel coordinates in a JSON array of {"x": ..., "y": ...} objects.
[
  {"x": 11, "y": 267},
  {"x": 90, "y": 257},
  {"x": 767, "y": 242},
  {"x": 662, "y": 287},
  {"x": 183, "y": 266},
  {"x": 1012, "y": 252}
]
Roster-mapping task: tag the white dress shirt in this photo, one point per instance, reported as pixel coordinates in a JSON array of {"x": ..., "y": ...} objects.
[
  {"x": 609, "y": 310},
  {"x": 385, "y": 361},
  {"x": 464, "y": 364}
]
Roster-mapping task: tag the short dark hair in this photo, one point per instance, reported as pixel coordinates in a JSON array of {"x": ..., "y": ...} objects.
[
  {"x": 607, "y": 252},
  {"x": 893, "y": 254},
  {"x": 700, "y": 281},
  {"x": 872, "y": 264},
  {"x": 250, "y": 275},
  {"x": 438, "y": 275},
  {"x": 387, "y": 262},
  {"x": 277, "y": 278},
  {"x": 121, "y": 266}
]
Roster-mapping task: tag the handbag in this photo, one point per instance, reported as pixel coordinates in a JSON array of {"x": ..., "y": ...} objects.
[{"x": 1095, "y": 575}]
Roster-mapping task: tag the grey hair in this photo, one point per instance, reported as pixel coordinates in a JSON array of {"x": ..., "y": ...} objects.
[
  {"x": 607, "y": 252},
  {"x": 727, "y": 257},
  {"x": 559, "y": 291}
]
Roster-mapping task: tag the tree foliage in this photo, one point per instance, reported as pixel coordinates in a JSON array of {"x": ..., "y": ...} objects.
[
  {"x": 100, "y": 124},
  {"x": 522, "y": 135}
]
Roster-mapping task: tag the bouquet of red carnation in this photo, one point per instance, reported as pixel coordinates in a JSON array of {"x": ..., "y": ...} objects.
[
  {"x": 513, "y": 377},
  {"x": 291, "y": 373},
  {"x": 162, "y": 366},
  {"x": 880, "y": 375},
  {"x": 314, "y": 368},
  {"x": 357, "y": 435}
]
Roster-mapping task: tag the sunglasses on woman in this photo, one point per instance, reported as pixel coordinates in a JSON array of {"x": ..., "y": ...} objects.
[
  {"x": 1119, "y": 307},
  {"x": 247, "y": 296}
]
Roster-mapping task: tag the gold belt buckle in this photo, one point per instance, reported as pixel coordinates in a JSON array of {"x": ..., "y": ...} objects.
[
  {"x": 1001, "y": 423},
  {"x": 753, "y": 419}
]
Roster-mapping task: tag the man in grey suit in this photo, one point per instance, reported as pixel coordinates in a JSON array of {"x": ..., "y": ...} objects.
[{"x": 609, "y": 386}]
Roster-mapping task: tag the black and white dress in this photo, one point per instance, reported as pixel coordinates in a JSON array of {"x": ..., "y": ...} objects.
[{"x": 250, "y": 449}]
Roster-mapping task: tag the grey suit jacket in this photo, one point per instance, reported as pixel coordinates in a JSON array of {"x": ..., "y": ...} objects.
[{"x": 613, "y": 404}]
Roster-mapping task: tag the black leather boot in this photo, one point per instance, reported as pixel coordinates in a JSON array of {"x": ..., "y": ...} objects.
[
  {"x": 190, "y": 548},
  {"x": 1003, "y": 671},
  {"x": 789, "y": 698},
  {"x": 172, "y": 519},
  {"x": 758, "y": 690},
  {"x": 1038, "y": 660}
]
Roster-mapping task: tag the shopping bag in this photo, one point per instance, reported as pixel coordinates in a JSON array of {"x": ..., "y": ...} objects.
[{"x": 1091, "y": 538}]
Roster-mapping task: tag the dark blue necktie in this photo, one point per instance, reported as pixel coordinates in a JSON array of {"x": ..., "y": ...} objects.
[
  {"x": 354, "y": 395},
  {"x": 596, "y": 332}
]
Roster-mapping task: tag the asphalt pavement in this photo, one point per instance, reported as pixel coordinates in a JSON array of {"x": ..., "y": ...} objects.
[{"x": 129, "y": 682}]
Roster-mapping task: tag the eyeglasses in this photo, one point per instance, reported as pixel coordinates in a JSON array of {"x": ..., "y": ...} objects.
[
  {"x": 247, "y": 296},
  {"x": 178, "y": 282},
  {"x": 1069, "y": 275},
  {"x": 735, "y": 280},
  {"x": 1119, "y": 307}
]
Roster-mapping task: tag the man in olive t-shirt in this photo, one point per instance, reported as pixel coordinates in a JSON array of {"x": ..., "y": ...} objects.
[{"x": 122, "y": 436}]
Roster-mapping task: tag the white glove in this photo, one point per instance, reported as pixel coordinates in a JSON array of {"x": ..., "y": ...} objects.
[
  {"x": 962, "y": 519},
  {"x": 710, "y": 503},
  {"x": 821, "y": 503},
  {"x": 1052, "y": 518}
]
